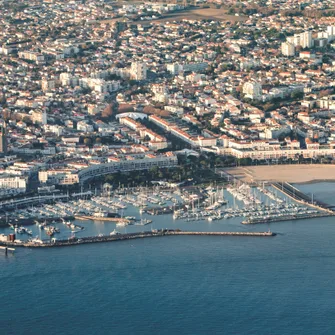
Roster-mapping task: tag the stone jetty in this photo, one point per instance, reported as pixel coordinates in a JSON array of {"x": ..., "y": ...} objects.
[{"x": 129, "y": 236}]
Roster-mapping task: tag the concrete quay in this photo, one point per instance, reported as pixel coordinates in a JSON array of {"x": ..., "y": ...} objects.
[{"x": 129, "y": 236}]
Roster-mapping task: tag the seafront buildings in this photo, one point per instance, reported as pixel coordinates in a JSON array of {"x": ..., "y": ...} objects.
[{"x": 97, "y": 88}]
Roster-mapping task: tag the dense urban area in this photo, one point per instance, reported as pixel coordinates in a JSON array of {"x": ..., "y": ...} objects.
[{"x": 91, "y": 90}]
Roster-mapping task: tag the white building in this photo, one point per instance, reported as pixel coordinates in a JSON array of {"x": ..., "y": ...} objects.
[
  {"x": 138, "y": 71},
  {"x": 58, "y": 130},
  {"x": 306, "y": 40},
  {"x": 39, "y": 116},
  {"x": 176, "y": 68},
  {"x": 93, "y": 109},
  {"x": 287, "y": 49},
  {"x": 11, "y": 182},
  {"x": 59, "y": 176},
  {"x": 165, "y": 160},
  {"x": 31, "y": 55},
  {"x": 47, "y": 85},
  {"x": 84, "y": 126},
  {"x": 331, "y": 33},
  {"x": 252, "y": 90}
]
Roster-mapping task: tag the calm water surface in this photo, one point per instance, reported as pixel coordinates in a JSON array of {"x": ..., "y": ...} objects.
[{"x": 184, "y": 284}]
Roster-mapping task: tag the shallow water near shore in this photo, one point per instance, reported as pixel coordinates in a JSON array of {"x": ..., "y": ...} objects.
[{"x": 184, "y": 284}]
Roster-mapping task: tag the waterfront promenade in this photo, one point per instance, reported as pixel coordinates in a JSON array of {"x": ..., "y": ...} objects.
[{"x": 129, "y": 236}]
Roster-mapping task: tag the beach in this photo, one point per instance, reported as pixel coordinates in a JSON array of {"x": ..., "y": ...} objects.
[{"x": 298, "y": 173}]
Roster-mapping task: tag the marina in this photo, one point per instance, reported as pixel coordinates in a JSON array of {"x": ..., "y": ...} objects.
[{"x": 126, "y": 211}]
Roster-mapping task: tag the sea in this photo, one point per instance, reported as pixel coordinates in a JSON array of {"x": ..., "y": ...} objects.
[{"x": 178, "y": 284}]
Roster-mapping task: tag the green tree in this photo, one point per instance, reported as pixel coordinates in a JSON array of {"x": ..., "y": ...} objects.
[
  {"x": 87, "y": 141},
  {"x": 297, "y": 95}
]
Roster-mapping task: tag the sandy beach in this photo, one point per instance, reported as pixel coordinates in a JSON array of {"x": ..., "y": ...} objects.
[{"x": 298, "y": 173}]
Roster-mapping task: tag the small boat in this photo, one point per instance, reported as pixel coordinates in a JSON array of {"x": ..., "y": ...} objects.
[
  {"x": 36, "y": 240},
  {"x": 29, "y": 232},
  {"x": 49, "y": 232},
  {"x": 143, "y": 222},
  {"x": 19, "y": 230},
  {"x": 122, "y": 224}
]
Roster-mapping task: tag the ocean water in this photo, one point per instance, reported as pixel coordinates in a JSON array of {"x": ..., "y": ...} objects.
[{"x": 182, "y": 284}]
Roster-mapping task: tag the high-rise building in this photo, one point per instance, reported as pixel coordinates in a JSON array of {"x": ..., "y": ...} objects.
[
  {"x": 138, "y": 71},
  {"x": 39, "y": 116},
  {"x": 331, "y": 33},
  {"x": 3, "y": 139},
  {"x": 252, "y": 90},
  {"x": 306, "y": 40},
  {"x": 287, "y": 49},
  {"x": 48, "y": 85},
  {"x": 295, "y": 40}
]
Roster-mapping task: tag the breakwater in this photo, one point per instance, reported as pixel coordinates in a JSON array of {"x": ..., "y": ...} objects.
[
  {"x": 129, "y": 236},
  {"x": 287, "y": 218}
]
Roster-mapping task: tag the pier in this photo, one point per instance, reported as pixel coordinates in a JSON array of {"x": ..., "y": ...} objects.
[
  {"x": 6, "y": 249},
  {"x": 301, "y": 197},
  {"x": 23, "y": 202},
  {"x": 101, "y": 218},
  {"x": 129, "y": 236}
]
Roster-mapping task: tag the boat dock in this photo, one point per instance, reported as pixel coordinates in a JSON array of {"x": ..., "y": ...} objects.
[
  {"x": 129, "y": 236},
  {"x": 301, "y": 197},
  {"x": 101, "y": 218},
  {"x": 159, "y": 210}
]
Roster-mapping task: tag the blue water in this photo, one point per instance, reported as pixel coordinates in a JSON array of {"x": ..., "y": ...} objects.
[{"x": 184, "y": 284}]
